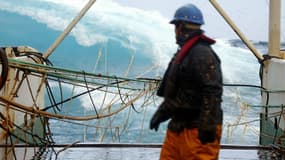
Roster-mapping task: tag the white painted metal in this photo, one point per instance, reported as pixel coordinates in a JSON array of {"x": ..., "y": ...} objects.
[{"x": 273, "y": 79}]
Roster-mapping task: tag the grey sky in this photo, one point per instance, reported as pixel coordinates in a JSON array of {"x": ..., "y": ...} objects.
[{"x": 251, "y": 16}]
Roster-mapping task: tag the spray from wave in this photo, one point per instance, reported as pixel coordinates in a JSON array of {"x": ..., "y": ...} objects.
[{"x": 143, "y": 33}]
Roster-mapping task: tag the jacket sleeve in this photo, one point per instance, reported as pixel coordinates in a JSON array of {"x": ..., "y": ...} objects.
[
  {"x": 168, "y": 88},
  {"x": 209, "y": 75}
]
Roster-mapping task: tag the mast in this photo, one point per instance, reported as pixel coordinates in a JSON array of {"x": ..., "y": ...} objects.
[
  {"x": 273, "y": 76},
  {"x": 274, "y": 28}
]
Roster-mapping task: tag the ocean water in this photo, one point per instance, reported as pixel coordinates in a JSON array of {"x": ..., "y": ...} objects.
[{"x": 121, "y": 33}]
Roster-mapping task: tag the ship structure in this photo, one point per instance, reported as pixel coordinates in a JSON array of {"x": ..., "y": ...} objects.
[{"x": 28, "y": 100}]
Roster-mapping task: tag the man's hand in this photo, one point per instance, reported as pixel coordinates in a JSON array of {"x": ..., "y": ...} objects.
[
  {"x": 162, "y": 114},
  {"x": 154, "y": 123}
]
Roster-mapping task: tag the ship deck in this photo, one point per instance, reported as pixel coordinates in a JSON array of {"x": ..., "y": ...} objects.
[
  {"x": 145, "y": 154},
  {"x": 149, "y": 151}
]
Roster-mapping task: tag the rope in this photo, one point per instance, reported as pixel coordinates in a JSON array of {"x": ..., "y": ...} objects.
[
  {"x": 91, "y": 99},
  {"x": 80, "y": 94},
  {"x": 58, "y": 72},
  {"x": 137, "y": 145},
  {"x": 277, "y": 124},
  {"x": 9, "y": 131},
  {"x": 47, "y": 114},
  {"x": 122, "y": 89},
  {"x": 4, "y": 67}
]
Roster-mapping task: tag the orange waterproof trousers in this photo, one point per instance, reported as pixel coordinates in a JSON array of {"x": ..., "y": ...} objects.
[{"x": 187, "y": 146}]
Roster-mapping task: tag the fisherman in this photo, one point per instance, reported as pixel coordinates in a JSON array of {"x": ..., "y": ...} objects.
[{"x": 192, "y": 91}]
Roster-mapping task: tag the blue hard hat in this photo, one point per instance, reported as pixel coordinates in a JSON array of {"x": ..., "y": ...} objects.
[{"x": 188, "y": 13}]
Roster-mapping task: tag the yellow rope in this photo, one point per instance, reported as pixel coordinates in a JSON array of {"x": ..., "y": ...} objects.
[{"x": 47, "y": 114}]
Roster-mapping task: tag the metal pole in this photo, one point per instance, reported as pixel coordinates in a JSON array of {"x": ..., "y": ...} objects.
[
  {"x": 236, "y": 29},
  {"x": 69, "y": 28},
  {"x": 136, "y": 145},
  {"x": 274, "y": 28}
]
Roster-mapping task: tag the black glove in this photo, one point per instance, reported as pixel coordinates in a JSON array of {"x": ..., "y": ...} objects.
[
  {"x": 161, "y": 115},
  {"x": 207, "y": 136},
  {"x": 155, "y": 121}
]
